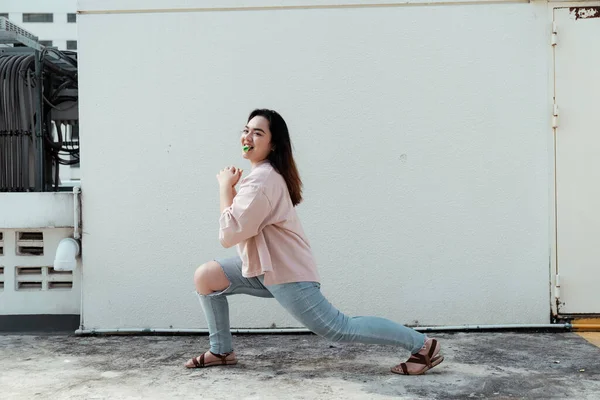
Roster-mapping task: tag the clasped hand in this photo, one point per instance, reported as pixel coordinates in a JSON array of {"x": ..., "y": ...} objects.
[{"x": 229, "y": 176}]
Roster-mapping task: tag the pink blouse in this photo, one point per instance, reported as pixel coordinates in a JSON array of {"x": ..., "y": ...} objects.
[{"x": 263, "y": 223}]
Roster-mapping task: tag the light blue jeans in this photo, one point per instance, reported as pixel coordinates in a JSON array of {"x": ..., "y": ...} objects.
[{"x": 305, "y": 302}]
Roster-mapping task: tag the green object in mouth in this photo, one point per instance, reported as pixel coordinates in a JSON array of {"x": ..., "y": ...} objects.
[{"x": 246, "y": 149}]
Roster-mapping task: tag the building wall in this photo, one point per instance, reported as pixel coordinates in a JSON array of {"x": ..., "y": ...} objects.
[
  {"x": 59, "y": 31},
  {"x": 421, "y": 133},
  {"x": 31, "y": 226}
]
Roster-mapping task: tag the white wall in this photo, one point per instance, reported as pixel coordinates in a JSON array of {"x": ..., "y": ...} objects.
[
  {"x": 421, "y": 133},
  {"x": 47, "y": 299},
  {"x": 50, "y": 214},
  {"x": 36, "y": 210}
]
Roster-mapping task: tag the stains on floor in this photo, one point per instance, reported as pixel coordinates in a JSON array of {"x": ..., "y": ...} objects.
[{"x": 503, "y": 365}]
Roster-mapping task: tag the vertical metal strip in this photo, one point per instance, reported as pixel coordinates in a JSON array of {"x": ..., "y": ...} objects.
[
  {"x": 2, "y": 124},
  {"x": 39, "y": 179}
]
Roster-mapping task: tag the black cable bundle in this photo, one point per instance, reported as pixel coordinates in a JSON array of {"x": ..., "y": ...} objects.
[
  {"x": 60, "y": 94},
  {"x": 20, "y": 99},
  {"x": 17, "y": 121}
]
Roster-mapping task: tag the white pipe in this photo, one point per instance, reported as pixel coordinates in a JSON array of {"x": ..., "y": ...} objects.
[
  {"x": 76, "y": 212},
  {"x": 490, "y": 327},
  {"x": 67, "y": 251},
  {"x": 136, "y": 331},
  {"x": 81, "y": 298},
  {"x": 77, "y": 236}
]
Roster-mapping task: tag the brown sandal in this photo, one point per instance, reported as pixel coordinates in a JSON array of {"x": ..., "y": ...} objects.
[
  {"x": 428, "y": 361},
  {"x": 222, "y": 360}
]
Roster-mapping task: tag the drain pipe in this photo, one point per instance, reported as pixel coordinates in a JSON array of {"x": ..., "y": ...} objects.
[
  {"x": 450, "y": 328},
  {"x": 66, "y": 254},
  {"x": 77, "y": 236},
  {"x": 566, "y": 326},
  {"x": 137, "y": 331},
  {"x": 76, "y": 212},
  {"x": 69, "y": 248}
]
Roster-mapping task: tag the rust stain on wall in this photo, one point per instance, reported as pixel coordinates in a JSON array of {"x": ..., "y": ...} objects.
[{"x": 585, "y": 12}]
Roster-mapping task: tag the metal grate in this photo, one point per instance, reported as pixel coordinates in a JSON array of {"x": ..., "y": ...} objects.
[
  {"x": 6, "y": 25},
  {"x": 59, "y": 280},
  {"x": 1, "y": 278},
  {"x": 52, "y": 271},
  {"x": 60, "y": 285},
  {"x": 1, "y": 243},
  {"x": 30, "y": 243},
  {"x": 29, "y": 271},
  {"x": 30, "y": 236},
  {"x": 29, "y": 285},
  {"x": 30, "y": 251},
  {"x": 42, "y": 278},
  {"x": 28, "y": 278}
]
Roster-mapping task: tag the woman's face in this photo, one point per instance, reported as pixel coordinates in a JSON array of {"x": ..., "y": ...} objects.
[{"x": 257, "y": 137}]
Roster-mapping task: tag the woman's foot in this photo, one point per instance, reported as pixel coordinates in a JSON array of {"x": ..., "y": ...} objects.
[
  {"x": 427, "y": 358},
  {"x": 210, "y": 359}
]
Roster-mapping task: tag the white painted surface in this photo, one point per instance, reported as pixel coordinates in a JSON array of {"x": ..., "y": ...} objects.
[
  {"x": 37, "y": 301},
  {"x": 58, "y": 31},
  {"x": 578, "y": 166},
  {"x": 36, "y": 210},
  {"x": 133, "y": 6},
  {"x": 38, "y": 6},
  {"x": 422, "y": 135}
]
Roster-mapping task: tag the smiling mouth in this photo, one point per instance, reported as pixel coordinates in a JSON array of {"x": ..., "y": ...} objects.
[{"x": 247, "y": 148}]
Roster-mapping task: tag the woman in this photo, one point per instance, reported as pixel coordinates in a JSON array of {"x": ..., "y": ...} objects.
[{"x": 275, "y": 258}]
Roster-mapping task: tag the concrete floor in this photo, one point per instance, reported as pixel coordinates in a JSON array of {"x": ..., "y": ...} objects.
[{"x": 501, "y": 365}]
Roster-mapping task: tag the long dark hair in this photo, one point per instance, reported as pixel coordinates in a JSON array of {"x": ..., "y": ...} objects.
[{"x": 281, "y": 157}]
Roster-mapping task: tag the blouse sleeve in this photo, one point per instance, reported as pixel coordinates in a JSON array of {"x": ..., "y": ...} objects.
[{"x": 243, "y": 218}]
